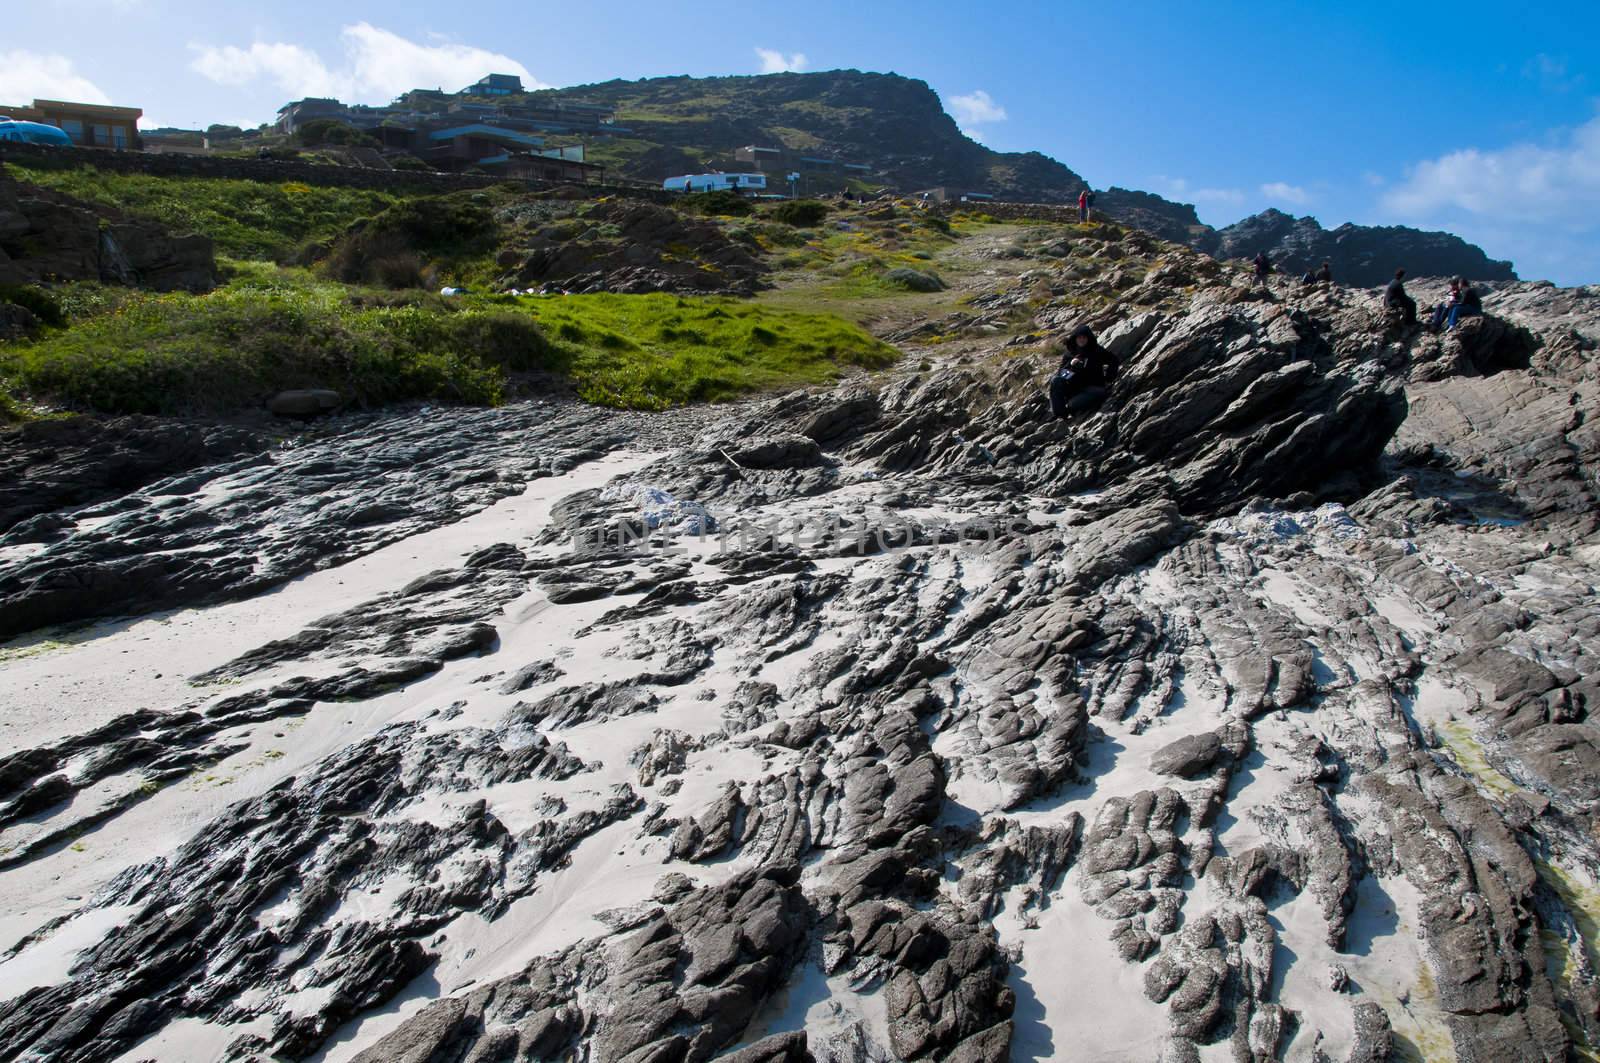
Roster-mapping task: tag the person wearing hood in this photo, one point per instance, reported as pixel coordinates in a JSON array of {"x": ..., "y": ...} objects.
[
  {"x": 1086, "y": 372},
  {"x": 1263, "y": 267},
  {"x": 1395, "y": 298}
]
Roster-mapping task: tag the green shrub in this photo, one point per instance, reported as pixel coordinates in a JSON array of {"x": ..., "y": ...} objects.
[
  {"x": 393, "y": 248},
  {"x": 914, "y": 280},
  {"x": 39, "y": 302},
  {"x": 321, "y": 131},
  {"x": 800, "y": 213},
  {"x": 719, "y": 202}
]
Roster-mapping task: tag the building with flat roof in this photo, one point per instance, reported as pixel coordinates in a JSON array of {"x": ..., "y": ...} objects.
[
  {"x": 293, "y": 115},
  {"x": 494, "y": 85},
  {"x": 88, "y": 125}
]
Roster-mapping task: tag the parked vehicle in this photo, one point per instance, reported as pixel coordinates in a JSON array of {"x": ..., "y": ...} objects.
[{"x": 716, "y": 182}]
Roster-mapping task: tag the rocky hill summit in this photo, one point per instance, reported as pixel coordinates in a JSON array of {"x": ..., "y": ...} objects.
[
  {"x": 896, "y": 124},
  {"x": 1364, "y": 255},
  {"x": 1250, "y": 715},
  {"x": 1361, "y": 254}
]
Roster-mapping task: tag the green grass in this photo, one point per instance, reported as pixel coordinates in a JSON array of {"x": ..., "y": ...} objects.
[
  {"x": 270, "y": 330},
  {"x": 247, "y": 219},
  {"x": 652, "y": 351}
]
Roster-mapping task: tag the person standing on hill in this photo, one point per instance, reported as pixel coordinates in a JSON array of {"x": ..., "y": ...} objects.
[
  {"x": 1263, "y": 267},
  {"x": 1086, "y": 372},
  {"x": 1395, "y": 298},
  {"x": 1088, "y": 204},
  {"x": 1083, "y": 205}
]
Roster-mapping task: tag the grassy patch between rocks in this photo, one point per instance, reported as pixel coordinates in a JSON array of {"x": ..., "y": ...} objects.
[{"x": 653, "y": 351}]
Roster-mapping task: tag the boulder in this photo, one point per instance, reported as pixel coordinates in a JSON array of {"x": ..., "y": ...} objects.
[{"x": 1187, "y": 756}]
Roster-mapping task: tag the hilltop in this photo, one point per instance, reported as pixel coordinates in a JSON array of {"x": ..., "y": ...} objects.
[
  {"x": 898, "y": 127},
  {"x": 896, "y": 124}
]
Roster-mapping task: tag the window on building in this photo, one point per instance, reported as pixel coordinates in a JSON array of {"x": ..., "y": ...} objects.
[
  {"x": 119, "y": 137},
  {"x": 73, "y": 128},
  {"x": 102, "y": 135}
]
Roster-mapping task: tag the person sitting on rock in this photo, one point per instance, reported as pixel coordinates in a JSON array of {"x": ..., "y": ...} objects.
[
  {"x": 1441, "y": 311},
  {"x": 1307, "y": 279},
  {"x": 1263, "y": 267},
  {"x": 1468, "y": 303},
  {"x": 1449, "y": 310},
  {"x": 1395, "y": 298},
  {"x": 1325, "y": 274},
  {"x": 1087, "y": 370}
]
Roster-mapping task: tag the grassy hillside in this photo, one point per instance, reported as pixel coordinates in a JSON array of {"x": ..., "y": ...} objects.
[
  {"x": 274, "y": 326},
  {"x": 247, "y": 219},
  {"x": 896, "y": 124}
]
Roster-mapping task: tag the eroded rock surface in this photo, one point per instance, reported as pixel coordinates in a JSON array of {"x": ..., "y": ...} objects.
[{"x": 1248, "y": 717}]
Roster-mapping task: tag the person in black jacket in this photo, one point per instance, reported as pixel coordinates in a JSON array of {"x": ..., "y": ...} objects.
[
  {"x": 1087, "y": 370},
  {"x": 1325, "y": 274},
  {"x": 1263, "y": 267},
  {"x": 1395, "y": 298}
]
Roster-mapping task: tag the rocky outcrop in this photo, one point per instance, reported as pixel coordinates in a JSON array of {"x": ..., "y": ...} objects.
[
  {"x": 49, "y": 236},
  {"x": 632, "y": 248},
  {"x": 51, "y": 465},
  {"x": 1364, "y": 255},
  {"x": 1161, "y": 217},
  {"x": 289, "y": 511},
  {"x": 1249, "y": 715}
]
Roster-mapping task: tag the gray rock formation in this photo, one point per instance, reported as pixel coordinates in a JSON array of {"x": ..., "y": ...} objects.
[{"x": 1248, "y": 716}]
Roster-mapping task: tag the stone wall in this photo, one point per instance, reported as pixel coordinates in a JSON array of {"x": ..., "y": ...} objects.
[{"x": 305, "y": 172}]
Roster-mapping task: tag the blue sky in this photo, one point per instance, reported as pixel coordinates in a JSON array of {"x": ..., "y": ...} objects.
[{"x": 1479, "y": 118}]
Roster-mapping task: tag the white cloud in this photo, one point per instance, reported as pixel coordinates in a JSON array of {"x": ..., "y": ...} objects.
[
  {"x": 777, "y": 63},
  {"x": 1179, "y": 188},
  {"x": 390, "y": 64},
  {"x": 1535, "y": 203},
  {"x": 26, "y": 76},
  {"x": 1286, "y": 193},
  {"x": 1534, "y": 183},
  {"x": 1551, "y": 73},
  {"x": 296, "y": 70},
  {"x": 976, "y": 108},
  {"x": 377, "y": 65},
  {"x": 973, "y": 134},
  {"x": 1374, "y": 180}
]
